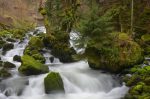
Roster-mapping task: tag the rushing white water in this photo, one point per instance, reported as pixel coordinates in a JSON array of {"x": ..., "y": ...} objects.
[{"x": 80, "y": 82}]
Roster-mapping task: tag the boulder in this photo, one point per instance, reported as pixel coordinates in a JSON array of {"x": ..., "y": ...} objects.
[
  {"x": 36, "y": 43},
  {"x": 9, "y": 65},
  {"x": 53, "y": 83},
  {"x": 17, "y": 58},
  {"x": 8, "y": 47},
  {"x": 51, "y": 59},
  {"x": 122, "y": 53},
  {"x": 30, "y": 66},
  {"x": 39, "y": 57},
  {"x": 10, "y": 40}
]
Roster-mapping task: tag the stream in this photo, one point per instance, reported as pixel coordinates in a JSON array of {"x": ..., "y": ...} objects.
[{"x": 80, "y": 82}]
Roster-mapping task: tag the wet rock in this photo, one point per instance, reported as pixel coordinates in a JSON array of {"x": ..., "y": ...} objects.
[
  {"x": 30, "y": 66},
  {"x": 8, "y": 47},
  {"x": 17, "y": 58},
  {"x": 53, "y": 83},
  {"x": 10, "y": 40},
  {"x": 9, "y": 65},
  {"x": 51, "y": 59}
]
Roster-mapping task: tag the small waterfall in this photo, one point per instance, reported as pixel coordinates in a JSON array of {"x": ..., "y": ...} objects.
[{"x": 80, "y": 82}]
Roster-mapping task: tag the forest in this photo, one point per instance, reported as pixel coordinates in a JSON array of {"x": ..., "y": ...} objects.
[{"x": 75, "y": 49}]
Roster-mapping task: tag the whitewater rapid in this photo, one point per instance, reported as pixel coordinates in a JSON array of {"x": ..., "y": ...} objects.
[{"x": 80, "y": 82}]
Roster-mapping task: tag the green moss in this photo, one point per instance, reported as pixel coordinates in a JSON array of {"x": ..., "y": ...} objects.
[
  {"x": 53, "y": 83},
  {"x": 18, "y": 33},
  {"x": 4, "y": 33},
  {"x": 34, "y": 47},
  {"x": 146, "y": 38},
  {"x": 30, "y": 66},
  {"x": 133, "y": 80},
  {"x": 136, "y": 89},
  {"x": 121, "y": 53},
  {"x": 36, "y": 42},
  {"x": 39, "y": 57}
]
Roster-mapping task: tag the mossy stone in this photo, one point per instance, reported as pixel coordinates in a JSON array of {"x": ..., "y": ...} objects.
[
  {"x": 123, "y": 53},
  {"x": 36, "y": 43},
  {"x": 8, "y": 47},
  {"x": 17, "y": 58},
  {"x": 30, "y": 66},
  {"x": 9, "y": 65},
  {"x": 53, "y": 83},
  {"x": 39, "y": 57}
]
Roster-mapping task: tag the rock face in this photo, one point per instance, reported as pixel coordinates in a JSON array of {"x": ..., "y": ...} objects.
[
  {"x": 53, "y": 83},
  {"x": 124, "y": 53},
  {"x": 30, "y": 66}
]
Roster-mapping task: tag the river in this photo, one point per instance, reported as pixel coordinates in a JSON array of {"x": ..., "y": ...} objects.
[{"x": 80, "y": 82}]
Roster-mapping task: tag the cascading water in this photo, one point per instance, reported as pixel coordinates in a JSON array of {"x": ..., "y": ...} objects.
[{"x": 80, "y": 82}]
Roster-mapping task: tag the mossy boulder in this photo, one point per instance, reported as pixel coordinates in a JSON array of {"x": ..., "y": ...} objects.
[
  {"x": 34, "y": 49},
  {"x": 53, "y": 83},
  {"x": 39, "y": 57},
  {"x": 35, "y": 53},
  {"x": 17, "y": 58},
  {"x": 9, "y": 65},
  {"x": 36, "y": 43},
  {"x": 63, "y": 53},
  {"x": 30, "y": 66},
  {"x": 60, "y": 48},
  {"x": 4, "y": 73},
  {"x": 8, "y": 47},
  {"x": 122, "y": 52}
]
